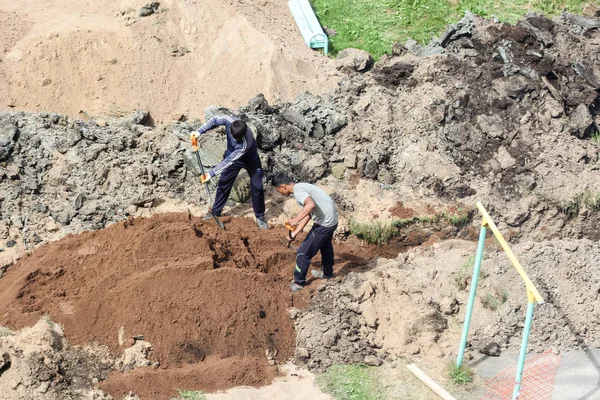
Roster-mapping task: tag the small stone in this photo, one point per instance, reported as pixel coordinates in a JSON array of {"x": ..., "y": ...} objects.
[
  {"x": 293, "y": 312},
  {"x": 491, "y": 349},
  {"x": 373, "y": 361},
  {"x": 51, "y": 226},
  {"x": 303, "y": 353},
  {"x": 11, "y": 243}
]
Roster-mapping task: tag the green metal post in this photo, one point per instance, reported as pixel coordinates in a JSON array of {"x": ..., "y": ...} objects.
[
  {"x": 526, "y": 329},
  {"x": 478, "y": 258}
]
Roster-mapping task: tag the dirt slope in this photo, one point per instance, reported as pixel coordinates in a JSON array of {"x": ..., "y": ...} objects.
[
  {"x": 102, "y": 58},
  {"x": 212, "y": 303}
]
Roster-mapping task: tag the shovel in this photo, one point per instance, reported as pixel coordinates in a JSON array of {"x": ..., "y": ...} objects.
[
  {"x": 290, "y": 229},
  {"x": 194, "y": 140}
]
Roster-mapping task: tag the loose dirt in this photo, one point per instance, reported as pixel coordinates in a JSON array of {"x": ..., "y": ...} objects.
[
  {"x": 103, "y": 59},
  {"x": 212, "y": 303}
]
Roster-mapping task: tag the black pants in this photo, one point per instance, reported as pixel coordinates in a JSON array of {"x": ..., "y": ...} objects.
[
  {"x": 227, "y": 179},
  {"x": 318, "y": 239}
]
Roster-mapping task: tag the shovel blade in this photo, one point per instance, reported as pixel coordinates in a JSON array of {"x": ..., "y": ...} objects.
[{"x": 217, "y": 220}]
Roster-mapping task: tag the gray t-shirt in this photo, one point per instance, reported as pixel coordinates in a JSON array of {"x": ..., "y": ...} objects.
[{"x": 324, "y": 213}]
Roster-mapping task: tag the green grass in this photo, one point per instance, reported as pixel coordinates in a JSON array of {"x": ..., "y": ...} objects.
[
  {"x": 374, "y": 25},
  {"x": 374, "y": 232},
  {"x": 571, "y": 207},
  {"x": 493, "y": 301},
  {"x": 463, "y": 275},
  {"x": 460, "y": 375},
  {"x": 380, "y": 233},
  {"x": 592, "y": 199},
  {"x": 190, "y": 395},
  {"x": 351, "y": 382},
  {"x": 4, "y": 331}
]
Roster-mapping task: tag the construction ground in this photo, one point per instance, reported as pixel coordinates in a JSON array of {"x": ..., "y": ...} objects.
[{"x": 112, "y": 286}]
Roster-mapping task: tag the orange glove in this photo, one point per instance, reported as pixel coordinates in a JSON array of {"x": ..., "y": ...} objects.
[{"x": 205, "y": 178}]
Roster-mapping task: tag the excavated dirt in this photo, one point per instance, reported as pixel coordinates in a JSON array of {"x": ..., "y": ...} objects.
[{"x": 212, "y": 303}]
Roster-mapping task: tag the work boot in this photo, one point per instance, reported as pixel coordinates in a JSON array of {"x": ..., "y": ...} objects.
[
  {"x": 295, "y": 287},
  {"x": 262, "y": 224},
  {"x": 207, "y": 217},
  {"x": 319, "y": 274}
]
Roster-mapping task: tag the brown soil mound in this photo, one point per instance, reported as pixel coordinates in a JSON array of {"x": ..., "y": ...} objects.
[
  {"x": 191, "y": 290},
  {"x": 212, "y": 303}
]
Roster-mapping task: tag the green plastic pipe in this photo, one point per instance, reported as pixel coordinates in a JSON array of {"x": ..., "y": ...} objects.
[
  {"x": 465, "y": 333},
  {"x": 526, "y": 329}
]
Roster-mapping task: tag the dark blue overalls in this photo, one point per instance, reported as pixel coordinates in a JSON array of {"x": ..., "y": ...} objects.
[{"x": 242, "y": 154}]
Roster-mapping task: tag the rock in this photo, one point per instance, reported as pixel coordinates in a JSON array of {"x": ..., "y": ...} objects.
[
  {"x": 373, "y": 361},
  {"x": 449, "y": 306},
  {"x": 370, "y": 168},
  {"x": 490, "y": 349},
  {"x": 350, "y": 161},
  {"x": 8, "y": 133},
  {"x": 350, "y": 60},
  {"x": 516, "y": 86},
  {"x": 139, "y": 117},
  {"x": 302, "y": 353},
  {"x": 296, "y": 118},
  {"x": 259, "y": 103},
  {"x": 293, "y": 312},
  {"x": 148, "y": 9},
  {"x": 11, "y": 243},
  {"x": 316, "y": 167},
  {"x": 4, "y": 361},
  {"x": 491, "y": 125},
  {"x": 504, "y": 158},
  {"x": 581, "y": 123},
  {"x": 51, "y": 226}
]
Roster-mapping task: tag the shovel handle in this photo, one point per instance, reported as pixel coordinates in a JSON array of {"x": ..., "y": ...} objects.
[
  {"x": 194, "y": 140},
  {"x": 290, "y": 227}
]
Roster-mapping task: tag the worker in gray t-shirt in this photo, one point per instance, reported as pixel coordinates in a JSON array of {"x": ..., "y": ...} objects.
[{"x": 316, "y": 204}]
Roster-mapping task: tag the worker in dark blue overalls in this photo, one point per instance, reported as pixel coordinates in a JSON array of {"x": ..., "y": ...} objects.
[{"x": 241, "y": 152}]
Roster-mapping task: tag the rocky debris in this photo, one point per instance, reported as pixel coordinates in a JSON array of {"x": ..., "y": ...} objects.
[
  {"x": 37, "y": 363},
  {"x": 135, "y": 356},
  {"x": 148, "y": 9},
  {"x": 490, "y": 349},
  {"x": 503, "y": 109},
  {"x": 334, "y": 331},
  {"x": 565, "y": 273},
  {"x": 391, "y": 311},
  {"x": 353, "y": 60},
  {"x": 178, "y": 51}
]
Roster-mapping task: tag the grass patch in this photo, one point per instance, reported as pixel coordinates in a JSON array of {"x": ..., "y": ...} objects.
[
  {"x": 464, "y": 274},
  {"x": 351, "y": 382},
  {"x": 459, "y": 219},
  {"x": 493, "y": 301},
  {"x": 190, "y": 395},
  {"x": 592, "y": 199},
  {"x": 374, "y": 232},
  {"x": 374, "y": 25},
  {"x": 571, "y": 207},
  {"x": 466, "y": 271},
  {"x": 462, "y": 375},
  {"x": 4, "y": 331},
  {"x": 380, "y": 233}
]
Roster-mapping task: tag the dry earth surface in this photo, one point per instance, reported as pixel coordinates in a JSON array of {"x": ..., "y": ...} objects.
[{"x": 141, "y": 295}]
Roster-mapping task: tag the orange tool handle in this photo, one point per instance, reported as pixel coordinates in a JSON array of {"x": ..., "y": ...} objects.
[
  {"x": 290, "y": 227},
  {"x": 194, "y": 140}
]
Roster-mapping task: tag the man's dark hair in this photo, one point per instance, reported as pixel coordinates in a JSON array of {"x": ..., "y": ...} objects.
[
  {"x": 238, "y": 129},
  {"x": 282, "y": 179}
]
